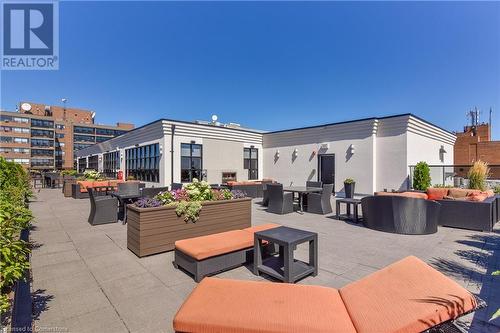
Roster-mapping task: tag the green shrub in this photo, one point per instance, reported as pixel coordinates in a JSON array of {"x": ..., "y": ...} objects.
[
  {"x": 14, "y": 217},
  {"x": 442, "y": 186},
  {"x": 69, "y": 172},
  {"x": 421, "y": 176},
  {"x": 477, "y": 175},
  {"x": 189, "y": 209}
]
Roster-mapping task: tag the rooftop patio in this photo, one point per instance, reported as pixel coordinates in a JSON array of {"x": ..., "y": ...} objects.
[{"x": 86, "y": 280}]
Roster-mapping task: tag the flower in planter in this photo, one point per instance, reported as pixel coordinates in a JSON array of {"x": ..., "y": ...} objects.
[
  {"x": 237, "y": 194},
  {"x": 148, "y": 203},
  {"x": 349, "y": 181},
  {"x": 165, "y": 197}
]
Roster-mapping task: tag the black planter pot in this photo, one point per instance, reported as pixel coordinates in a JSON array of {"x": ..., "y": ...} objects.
[{"x": 349, "y": 190}]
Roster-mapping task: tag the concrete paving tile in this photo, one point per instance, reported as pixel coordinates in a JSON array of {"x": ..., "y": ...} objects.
[
  {"x": 74, "y": 304},
  {"x": 102, "y": 320},
  {"x": 47, "y": 248},
  {"x": 133, "y": 286},
  {"x": 65, "y": 269},
  {"x": 149, "y": 312},
  {"x": 59, "y": 286},
  {"x": 55, "y": 258}
]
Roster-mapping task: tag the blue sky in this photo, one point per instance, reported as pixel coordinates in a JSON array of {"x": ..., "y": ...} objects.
[{"x": 271, "y": 65}]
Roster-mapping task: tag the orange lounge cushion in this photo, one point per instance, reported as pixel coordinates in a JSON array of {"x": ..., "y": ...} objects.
[
  {"x": 216, "y": 244},
  {"x": 477, "y": 197},
  {"x": 234, "y": 306},
  {"x": 100, "y": 183},
  {"x": 407, "y": 296},
  {"x": 262, "y": 227},
  {"x": 84, "y": 184},
  {"x": 416, "y": 195},
  {"x": 435, "y": 193},
  {"x": 459, "y": 192}
]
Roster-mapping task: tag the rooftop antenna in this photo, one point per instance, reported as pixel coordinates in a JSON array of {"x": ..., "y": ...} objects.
[
  {"x": 474, "y": 117},
  {"x": 491, "y": 111},
  {"x": 64, "y": 100}
]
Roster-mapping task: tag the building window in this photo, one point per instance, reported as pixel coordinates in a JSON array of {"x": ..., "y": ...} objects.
[
  {"x": 42, "y": 133},
  {"x": 82, "y": 164},
  {"x": 42, "y": 123},
  {"x": 77, "y": 146},
  {"x": 83, "y": 130},
  {"x": 21, "y": 150},
  {"x": 14, "y": 129},
  {"x": 59, "y": 126},
  {"x": 18, "y": 160},
  {"x": 84, "y": 138},
  {"x": 191, "y": 162},
  {"x": 101, "y": 138},
  {"x": 42, "y": 143},
  {"x": 251, "y": 162},
  {"x": 111, "y": 163},
  {"x": 42, "y": 152},
  {"x": 42, "y": 162},
  {"x": 93, "y": 162},
  {"x": 59, "y": 135},
  {"x": 143, "y": 163}
]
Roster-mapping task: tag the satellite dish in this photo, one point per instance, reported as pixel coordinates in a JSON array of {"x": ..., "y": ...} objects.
[
  {"x": 214, "y": 118},
  {"x": 26, "y": 106}
]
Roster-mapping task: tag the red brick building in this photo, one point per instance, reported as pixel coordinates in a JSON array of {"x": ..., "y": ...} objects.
[{"x": 473, "y": 145}]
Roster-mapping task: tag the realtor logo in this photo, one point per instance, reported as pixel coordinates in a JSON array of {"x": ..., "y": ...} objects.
[{"x": 30, "y": 38}]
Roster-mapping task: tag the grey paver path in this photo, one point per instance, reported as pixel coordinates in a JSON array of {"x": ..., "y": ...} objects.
[{"x": 85, "y": 279}]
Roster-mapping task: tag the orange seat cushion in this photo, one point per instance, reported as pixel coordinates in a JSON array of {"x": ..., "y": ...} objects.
[
  {"x": 460, "y": 192},
  {"x": 100, "y": 183},
  {"x": 435, "y": 193},
  {"x": 477, "y": 197},
  {"x": 233, "y": 306},
  {"x": 84, "y": 184},
  {"x": 416, "y": 195},
  {"x": 216, "y": 244},
  {"x": 407, "y": 296},
  {"x": 262, "y": 227}
]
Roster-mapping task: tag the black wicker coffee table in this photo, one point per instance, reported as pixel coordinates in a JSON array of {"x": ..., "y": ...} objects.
[
  {"x": 284, "y": 267},
  {"x": 348, "y": 202}
]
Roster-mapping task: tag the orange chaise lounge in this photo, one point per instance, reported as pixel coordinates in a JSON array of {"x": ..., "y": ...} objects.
[{"x": 407, "y": 296}]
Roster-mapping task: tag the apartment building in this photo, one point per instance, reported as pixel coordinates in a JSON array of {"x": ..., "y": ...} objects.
[{"x": 46, "y": 137}]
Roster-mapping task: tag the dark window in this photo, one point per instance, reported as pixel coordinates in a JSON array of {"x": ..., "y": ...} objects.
[
  {"x": 104, "y": 131},
  {"x": 59, "y": 135},
  {"x": 83, "y": 130},
  {"x": 111, "y": 163},
  {"x": 43, "y": 162},
  {"x": 93, "y": 162},
  {"x": 101, "y": 138},
  {"x": 42, "y": 123},
  {"x": 42, "y": 152},
  {"x": 251, "y": 162},
  {"x": 42, "y": 133},
  {"x": 143, "y": 163},
  {"x": 78, "y": 146},
  {"x": 42, "y": 143},
  {"x": 84, "y": 138},
  {"x": 191, "y": 162},
  {"x": 82, "y": 164}
]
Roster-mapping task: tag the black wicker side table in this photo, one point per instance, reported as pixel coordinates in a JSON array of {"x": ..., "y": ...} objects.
[
  {"x": 285, "y": 267},
  {"x": 348, "y": 202}
]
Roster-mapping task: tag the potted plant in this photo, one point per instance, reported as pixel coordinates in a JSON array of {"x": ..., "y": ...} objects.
[
  {"x": 477, "y": 175},
  {"x": 422, "y": 176},
  {"x": 349, "y": 185}
]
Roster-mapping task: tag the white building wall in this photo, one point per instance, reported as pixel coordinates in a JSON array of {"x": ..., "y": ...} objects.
[
  {"x": 291, "y": 170},
  {"x": 391, "y": 154}
]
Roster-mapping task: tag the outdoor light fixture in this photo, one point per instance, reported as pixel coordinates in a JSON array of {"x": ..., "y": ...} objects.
[
  {"x": 352, "y": 149},
  {"x": 277, "y": 153},
  {"x": 296, "y": 152}
]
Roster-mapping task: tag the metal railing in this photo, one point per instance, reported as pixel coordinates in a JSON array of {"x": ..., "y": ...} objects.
[{"x": 456, "y": 175}]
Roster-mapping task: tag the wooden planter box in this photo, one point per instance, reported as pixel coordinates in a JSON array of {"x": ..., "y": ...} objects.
[{"x": 155, "y": 230}]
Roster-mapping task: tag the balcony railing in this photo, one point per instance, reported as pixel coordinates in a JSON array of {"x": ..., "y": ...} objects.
[{"x": 456, "y": 175}]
